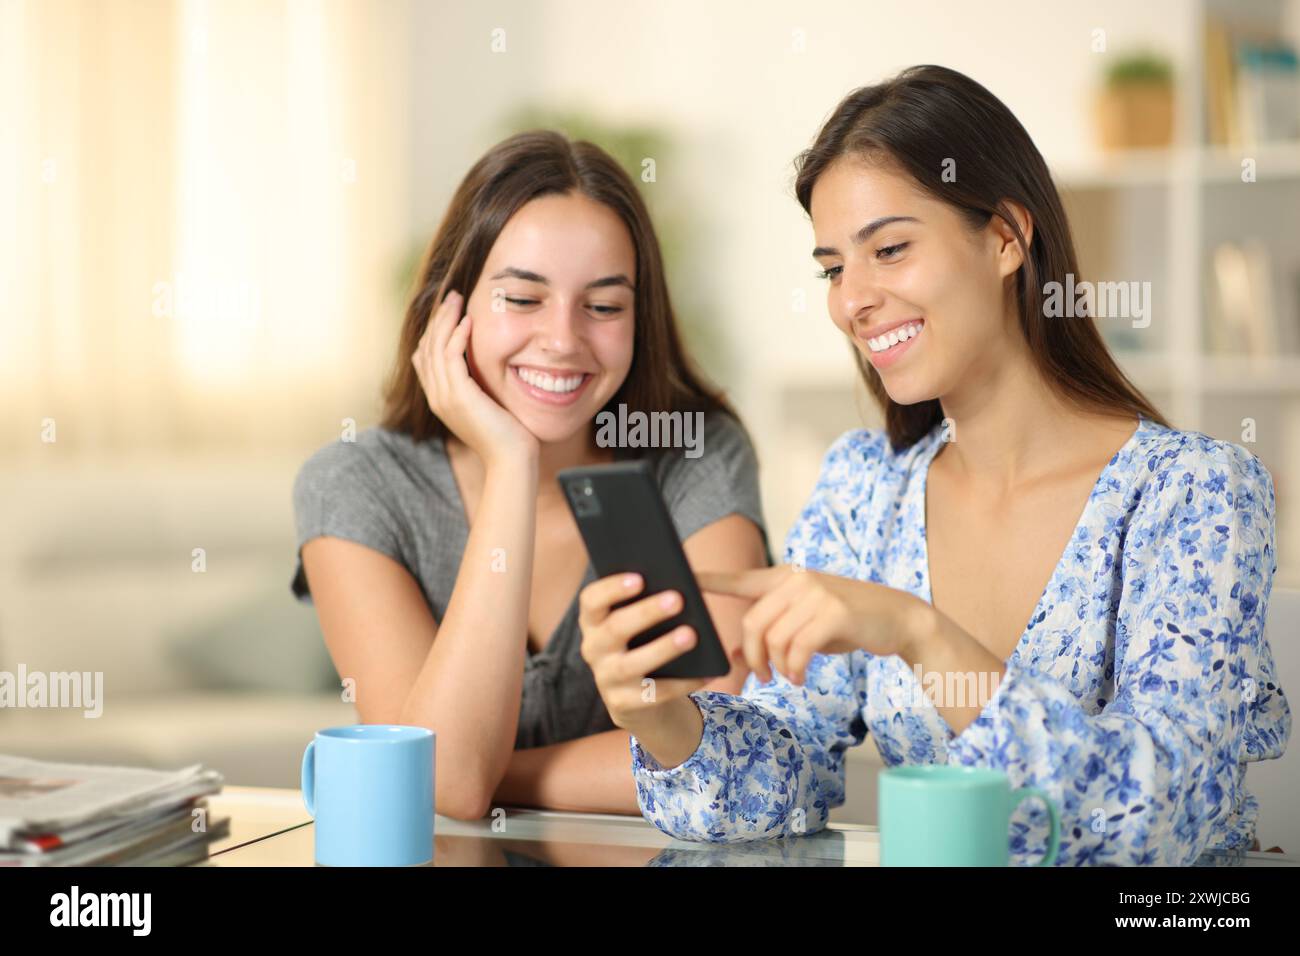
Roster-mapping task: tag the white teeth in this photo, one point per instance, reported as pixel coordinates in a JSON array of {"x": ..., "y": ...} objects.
[
  {"x": 549, "y": 383},
  {"x": 893, "y": 337}
]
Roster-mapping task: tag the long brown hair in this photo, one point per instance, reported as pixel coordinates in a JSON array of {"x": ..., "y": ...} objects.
[
  {"x": 919, "y": 121},
  {"x": 515, "y": 171}
]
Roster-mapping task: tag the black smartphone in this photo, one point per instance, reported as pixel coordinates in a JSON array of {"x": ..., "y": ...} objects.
[{"x": 627, "y": 528}]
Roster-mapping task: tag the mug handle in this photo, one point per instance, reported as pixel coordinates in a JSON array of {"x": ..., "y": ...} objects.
[
  {"x": 309, "y": 778},
  {"x": 1054, "y": 840}
]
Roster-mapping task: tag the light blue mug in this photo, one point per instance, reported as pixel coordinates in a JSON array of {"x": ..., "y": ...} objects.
[
  {"x": 370, "y": 788},
  {"x": 937, "y": 815}
]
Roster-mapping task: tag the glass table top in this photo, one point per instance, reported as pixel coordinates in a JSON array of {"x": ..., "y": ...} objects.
[{"x": 522, "y": 837}]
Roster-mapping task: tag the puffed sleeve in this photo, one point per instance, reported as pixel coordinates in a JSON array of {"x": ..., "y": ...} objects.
[
  {"x": 771, "y": 762},
  {"x": 1146, "y": 780},
  {"x": 821, "y": 539}
]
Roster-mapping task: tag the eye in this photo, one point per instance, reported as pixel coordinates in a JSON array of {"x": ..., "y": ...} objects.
[
  {"x": 606, "y": 311},
  {"x": 830, "y": 273},
  {"x": 888, "y": 252},
  {"x": 515, "y": 300}
]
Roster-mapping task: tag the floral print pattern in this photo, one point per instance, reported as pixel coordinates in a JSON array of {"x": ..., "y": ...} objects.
[{"x": 1137, "y": 693}]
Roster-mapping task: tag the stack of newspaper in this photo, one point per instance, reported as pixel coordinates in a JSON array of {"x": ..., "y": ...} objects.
[{"x": 59, "y": 814}]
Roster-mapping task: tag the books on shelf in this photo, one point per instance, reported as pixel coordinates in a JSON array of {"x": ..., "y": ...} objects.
[
  {"x": 1240, "y": 313},
  {"x": 1252, "y": 86},
  {"x": 60, "y": 814}
]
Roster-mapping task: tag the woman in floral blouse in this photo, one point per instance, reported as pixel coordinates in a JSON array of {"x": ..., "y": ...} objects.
[{"x": 1027, "y": 569}]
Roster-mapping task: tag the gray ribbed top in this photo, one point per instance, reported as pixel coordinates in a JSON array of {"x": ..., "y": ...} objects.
[{"x": 400, "y": 497}]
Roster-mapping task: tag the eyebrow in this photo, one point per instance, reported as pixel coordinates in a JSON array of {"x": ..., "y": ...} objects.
[
  {"x": 863, "y": 234},
  {"x": 607, "y": 281}
]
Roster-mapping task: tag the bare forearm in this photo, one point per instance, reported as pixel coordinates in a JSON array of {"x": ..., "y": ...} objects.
[
  {"x": 469, "y": 687},
  {"x": 953, "y": 667},
  {"x": 591, "y": 774}
]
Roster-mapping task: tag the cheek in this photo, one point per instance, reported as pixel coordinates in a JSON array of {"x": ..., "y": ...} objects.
[
  {"x": 613, "y": 345},
  {"x": 944, "y": 289},
  {"x": 490, "y": 342},
  {"x": 922, "y": 283},
  {"x": 969, "y": 298},
  {"x": 957, "y": 272}
]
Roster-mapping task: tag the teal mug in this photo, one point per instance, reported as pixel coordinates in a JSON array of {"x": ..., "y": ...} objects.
[
  {"x": 936, "y": 815},
  {"x": 370, "y": 790}
]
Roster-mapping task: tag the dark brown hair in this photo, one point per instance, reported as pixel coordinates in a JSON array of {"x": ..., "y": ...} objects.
[
  {"x": 515, "y": 171},
  {"x": 916, "y": 122}
]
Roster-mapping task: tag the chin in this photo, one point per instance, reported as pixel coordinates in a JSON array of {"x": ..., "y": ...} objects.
[
  {"x": 910, "y": 394},
  {"x": 909, "y": 388},
  {"x": 552, "y": 429}
]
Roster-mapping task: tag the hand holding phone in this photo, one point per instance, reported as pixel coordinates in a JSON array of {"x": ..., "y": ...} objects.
[
  {"x": 638, "y": 705},
  {"x": 627, "y": 529}
]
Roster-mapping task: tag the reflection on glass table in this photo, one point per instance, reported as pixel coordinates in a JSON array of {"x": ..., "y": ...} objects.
[{"x": 521, "y": 837}]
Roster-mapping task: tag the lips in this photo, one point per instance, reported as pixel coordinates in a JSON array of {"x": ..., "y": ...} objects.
[
  {"x": 884, "y": 328},
  {"x": 550, "y": 386},
  {"x": 906, "y": 331}
]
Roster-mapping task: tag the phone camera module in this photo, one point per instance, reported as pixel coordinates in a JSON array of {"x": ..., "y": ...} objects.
[{"x": 586, "y": 504}]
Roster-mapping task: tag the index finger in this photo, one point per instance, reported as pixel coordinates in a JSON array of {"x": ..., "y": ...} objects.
[
  {"x": 596, "y": 598},
  {"x": 753, "y": 583}
]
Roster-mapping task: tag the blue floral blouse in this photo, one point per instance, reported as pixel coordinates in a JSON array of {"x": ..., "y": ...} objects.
[{"x": 1136, "y": 695}]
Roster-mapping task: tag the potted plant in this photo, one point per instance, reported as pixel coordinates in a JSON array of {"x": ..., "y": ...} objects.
[{"x": 1135, "y": 109}]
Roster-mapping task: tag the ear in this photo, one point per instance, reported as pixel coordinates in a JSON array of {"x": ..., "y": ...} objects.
[{"x": 1010, "y": 255}]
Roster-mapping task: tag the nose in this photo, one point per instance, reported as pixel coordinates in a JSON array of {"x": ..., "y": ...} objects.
[
  {"x": 559, "y": 327},
  {"x": 860, "y": 295}
]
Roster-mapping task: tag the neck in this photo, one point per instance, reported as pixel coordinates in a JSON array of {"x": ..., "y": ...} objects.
[
  {"x": 1009, "y": 425},
  {"x": 575, "y": 451}
]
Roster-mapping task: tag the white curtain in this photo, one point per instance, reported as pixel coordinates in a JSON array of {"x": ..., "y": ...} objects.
[{"x": 209, "y": 206}]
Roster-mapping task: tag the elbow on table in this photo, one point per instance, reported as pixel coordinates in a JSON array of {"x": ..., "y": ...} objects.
[
  {"x": 460, "y": 795},
  {"x": 463, "y": 803}
]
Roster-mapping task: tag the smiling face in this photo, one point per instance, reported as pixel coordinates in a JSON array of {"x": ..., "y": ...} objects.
[
  {"x": 920, "y": 294},
  {"x": 552, "y": 338}
]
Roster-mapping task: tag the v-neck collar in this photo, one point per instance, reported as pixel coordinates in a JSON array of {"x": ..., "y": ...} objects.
[{"x": 927, "y": 455}]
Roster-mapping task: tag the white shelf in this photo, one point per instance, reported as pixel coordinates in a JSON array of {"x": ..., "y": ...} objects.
[
  {"x": 1137, "y": 167},
  {"x": 1274, "y": 162}
]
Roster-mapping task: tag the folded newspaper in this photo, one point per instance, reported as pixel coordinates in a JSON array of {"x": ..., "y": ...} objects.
[{"x": 59, "y": 814}]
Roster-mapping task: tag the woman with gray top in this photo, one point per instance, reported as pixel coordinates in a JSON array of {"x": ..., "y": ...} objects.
[{"x": 437, "y": 547}]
